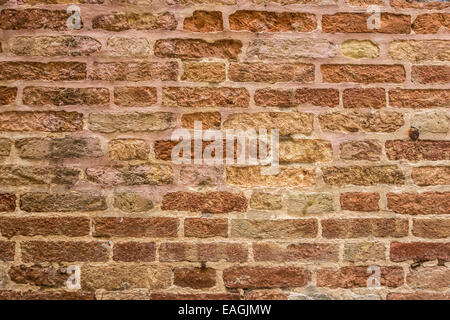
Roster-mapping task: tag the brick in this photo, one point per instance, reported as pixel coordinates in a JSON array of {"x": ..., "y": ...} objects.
[
  {"x": 28, "y": 176},
  {"x": 46, "y": 96},
  {"x": 201, "y": 97},
  {"x": 429, "y": 176},
  {"x": 418, "y": 150},
  {"x": 45, "y": 121},
  {"x": 203, "y": 252},
  {"x": 127, "y": 47},
  {"x": 356, "y": 277},
  {"x": 274, "y": 229},
  {"x": 418, "y": 295},
  {"x": 380, "y": 73},
  {"x": 419, "y": 98},
  {"x": 295, "y": 252},
  {"x": 265, "y": 295},
  {"x": 134, "y": 251},
  {"x": 360, "y": 201},
  {"x": 145, "y": 174},
  {"x": 135, "y": 96},
  {"x": 7, "y": 202},
  {"x": 362, "y": 120},
  {"x": 364, "y": 98},
  {"x": 363, "y": 175},
  {"x": 358, "y": 49},
  {"x": 46, "y": 277},
  {"x": 131, "y": 122},
  {"x": 51, "y": 71},
  {"x": 209, "y": 120},
  {"x": 419, "y": 203},
  {"x": 120, "y": 21},
  {"x": 204, "y": 21},
  {"x": 419, "y": 251},
  {"x": 274, "y": 98},
  {"x": 135, "y": 71},
  {"x": 204, "y": 72},
  {"x": 286, "y": 123},
  {"x": 431, "y": 228},
  {"x": 317, "y": 97},
  {"x": 291, "y": 49},
  {"x": 310, "y": 203},
  {"x": 41, "y": 148},
  {"x": 361, "y": 150},
  {"x": 305, "y": 151},
  {"x": 128, "y": 149},
  {"x": 266, "y": 277},
  {"x": 361, "y": 252},
  {"x": 206, "y": 2},
  {"x": 251, "y": 176},
  {"x": 46, "y": 295},
  {"x": 420, "y": 50},
  {"x": 52, "y": 46},
  {"x": 62, "y": 202},
  {"x": 201, "y": 177},
  {"x": 199, "y": 296},
  {"x": 431, "y": 23},
  {"x": 58, "y": 251},
  {"x": 205, "y": 227},
  {"x": 197, "y": 48},
  {"x": 265, "y": 21},
  {"x": 7, "y": 250},
  {"x": 429, "y": 278},
  {"x": 432, "y": 4},
  {"x": 155, "y": 227},
  {"x": 5, "y": 147},
  {"x": 7, "y": 95},
  {"x": 12, "y": 19},
  {"x": 266, "y": 201},
  {"x": 364, "y": 227},
  {"x": 41, "y": 226},
  {"x": 357, "y": 23},
  {"x": 132, "y": 202},
  {"x": 196, "y": 278},
  {"x": 431, "y": 74},
  {"x": 209, "y": 202},
  {"x": 271, "y": 73},
  {"x": 431, "y": 122}
]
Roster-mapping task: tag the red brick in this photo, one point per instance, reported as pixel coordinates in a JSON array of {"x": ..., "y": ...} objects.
[
  {"x": 270, "y": 72},
  {"x": 295, "y": 252},
  {"x": 431, "y": 23},
  {"x": 431, "y": 228},
  {"x": 360, "y": 201},
  {"x": 11, "y": 19},
  {"x": 418, "y": 150},
  {"x": 419, "y": 203},
  {"x": 420, "y": 251},
  {"x": 51, "y": 71},
  {"x": 364, "y": 227},
  {"x": 46, "y": 295},
  {"x": 199, "y": 296},
  {"x": 7, "y": 250},
  {"x": 56, "y": 251},
  {"x": 46, "y": 121},
  {"x": 419, "y": 98},
  {"x": 318, "y": 97},
  {"x": 204, "y": 21},
  {"x": 203, "y": 252},
  {"x": 197, "y": 48},
  {"x": 7, "y": 202},
  {"x": 155, "y": 227},
  {"x": 135, "y": 71},
  {"x": 46, "y": 96},
  {"x": 357, "y": 23},
  {"x": 134, "y": 251},
  {"x": 135, "y": 96},
  {"x": 47, "y": 277},
  {"x": 7, "y": 95},
  {"x": 201, "y": 97},
  {"x": 274, "y": 98},
  {"x": 266, "y": 277},
  {"x": 196, "y": 278},
  {"x": 205, "y": 227},
  {"x": 209, "y": 120},
  {"x": 432, "y": 4},
  {"x": 431, "y": 74},
  {"x": 381, "y": 73},
  {"x": 364, "y": 98}
]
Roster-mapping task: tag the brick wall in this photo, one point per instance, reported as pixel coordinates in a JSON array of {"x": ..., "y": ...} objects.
[{"x": 86, "y": 176}]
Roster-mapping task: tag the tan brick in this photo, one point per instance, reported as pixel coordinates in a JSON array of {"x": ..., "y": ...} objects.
[
  {"x": 363, "y": 176},
  {"x": 199, "y": 97},
  {"x": 271, "y": 73},
  {"x": 364, "y": 227},
  {"x": 266, "y": 277},
  {"x": 119, "y": 21},
  {"x": 274, "y": 229},
  {"x": 295, "y": 252}
]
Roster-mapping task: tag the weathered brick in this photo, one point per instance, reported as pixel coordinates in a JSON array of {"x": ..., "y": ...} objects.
[
  {"x": 431, "y": 74},
  {"x": 7, "y": 250},
  {"x": 360, "y": 150},
  {"x": 209, "y": 120},
  {"x": 131, "y": 122},
  {"x": 7, "y": 95},
  {"x": 420, "y": 50},
  {"x": 135, "y": 71},
  {"x": 41, "y": 226},
  {"x": 51, "y": 71},
  {"x": 317, "y": 97},
  {"x": 266, "y": 201},
  {"x": 360, "y": 201},
  {"x": 27, "y": 176},
  {"x": 364, "y": 98},
  {"x": 134, "y": 251},
  {"x": 266, "y": 277},
  {"x": 364, "y": 252},
  {"x": 362, "y": 120},
  {"x": 204, "y": 21},
  {"x": 363, "y": 176},
  {"x": 5, "y": 147},
  {"x": 428, "y": 176},
  {"x": 196, "y": 278},
  {"x": 359, "y": 73},
  {"x": 203, "y": 252},
  {"x": 12, "y": 19},
  {"x": 135, "y": 96},
  {"x": 420, "y": 251},
  {"x": 295, "y": 252},
  {"x": 7, "y": 202},
  {"x": 46, "y": 96},
  {"x": 431, "y": 23},
  {"x": 429, "y": 278},
  {"x": 197, "y": 48},
  {"x": 274, "y": 229},
  {"x": 418, "y": 150},
  {"x": 132, "y": 202},
  {"x": 209, "y": 202},
  {"x": 364, "y": 227},
  {"x": 357, "y": 22},
  {"x": 155, "y": 227},
  {"x": 46, "y": 295},
  {"x": 274, "y": 98},
  {"x": 46, "y": 121},
  {"x": 357, "y": 277},
  {"x": 432, "y": 4},
  {"x": 119, "y": 21},
  {"x": 309, "y": 203},
  {"x": 201, "y": 97},
  {"x": 203, "y": 71},
  {"x": 127, "y": 47},
  {"x": 419, "y": 98},
  {"x": 194, "y": 296},
  {"x": 265, "y": 21},
  {"x": 201, "y": 176},
  {"x": 291, "y": 49},
  {"x": 431, "y": 122},
  {"x": 417, "y": 295},
  {"x": 358, "y": 49},
  {"x": 431, "y": 228},
  {"x": 145, "y": 174},
  {"x": 128, "y": 149},
  {"x": 419, "y": 203},
  {"x": 62, "y": 202},
  {"x": 52, "y": 46},
  {"x": 305, "y": 151},
  {"x": 271, "y": 73},
  {"x": 47, "y": 277},
  {"x": 205, "y": 227},
  {"x": 58, "y": 251}
]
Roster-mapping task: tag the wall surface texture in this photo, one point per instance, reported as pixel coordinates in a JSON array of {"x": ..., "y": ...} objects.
[{"x": 87, "y": 179}]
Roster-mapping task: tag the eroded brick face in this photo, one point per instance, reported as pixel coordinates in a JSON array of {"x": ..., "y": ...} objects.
[{"x": 88, "y": 178}]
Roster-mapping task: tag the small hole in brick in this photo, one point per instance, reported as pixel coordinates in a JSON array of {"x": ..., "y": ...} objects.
[{"x": 414, "y": 133}]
